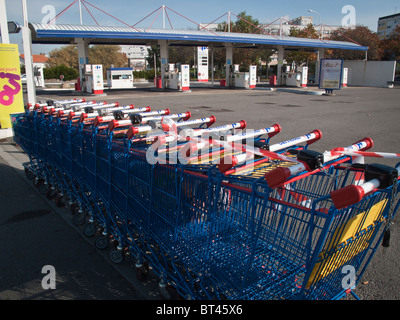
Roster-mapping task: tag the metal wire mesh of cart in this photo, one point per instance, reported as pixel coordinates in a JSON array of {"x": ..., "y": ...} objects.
[{"x": 284, "y": 230}]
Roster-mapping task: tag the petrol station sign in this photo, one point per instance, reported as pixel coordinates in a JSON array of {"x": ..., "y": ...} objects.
[
  {"x": 330, "y": 74},
  {"x": 202, "y": 64}
]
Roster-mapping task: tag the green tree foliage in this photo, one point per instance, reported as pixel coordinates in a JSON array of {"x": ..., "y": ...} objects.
[
  {"x": 244, "y": 56},
  {"x": 244, "y": 24},
  {"x": 154, "y": 50},
  {"x": 67, "y": 56},
  {"x": 184, "y": 55},
  {"x": 301, "y": 57},
  {"x": 106, "y": 55},
  {"x": 56, "y": 71}
]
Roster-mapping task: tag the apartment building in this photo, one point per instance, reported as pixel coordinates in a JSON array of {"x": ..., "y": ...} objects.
[{"x": 387, "y": 24}]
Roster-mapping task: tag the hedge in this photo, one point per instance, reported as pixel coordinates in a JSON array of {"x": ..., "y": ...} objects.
[{"x": 55, "y": 72}]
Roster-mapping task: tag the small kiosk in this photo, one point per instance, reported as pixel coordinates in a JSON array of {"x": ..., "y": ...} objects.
[{"x": 119, "y": 78}]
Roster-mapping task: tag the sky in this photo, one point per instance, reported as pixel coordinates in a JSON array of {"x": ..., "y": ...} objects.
[{"x": 331, "y": 12}]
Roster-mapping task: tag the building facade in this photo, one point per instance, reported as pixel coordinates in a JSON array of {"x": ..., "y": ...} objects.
[
  {"x": 283, "y": 29},
  {"x": 136, "y": 56},
  {"x": 387, "y": 24}
]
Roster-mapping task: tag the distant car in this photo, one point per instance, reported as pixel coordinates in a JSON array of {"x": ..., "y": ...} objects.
[{"x": 23, "y": 78}]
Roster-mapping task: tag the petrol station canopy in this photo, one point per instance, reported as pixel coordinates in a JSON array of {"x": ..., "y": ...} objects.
[{"x": 67, "y": 34}]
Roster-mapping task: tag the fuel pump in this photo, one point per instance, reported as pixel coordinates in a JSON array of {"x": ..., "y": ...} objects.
[
  {"x": 296, "y": 76},
  {"x": 92, "y": 81},
  {"x": 246, "y": 80},
  {"x": 177, "y": 77},
  {"x": 233, "y": 70}
]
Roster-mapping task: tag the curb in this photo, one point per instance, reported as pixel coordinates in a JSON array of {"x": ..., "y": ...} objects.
[{"x": 301, "y": 91}]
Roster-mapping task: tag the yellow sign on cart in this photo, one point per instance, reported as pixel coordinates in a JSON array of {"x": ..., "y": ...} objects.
[{"x": 11, "y": 100}]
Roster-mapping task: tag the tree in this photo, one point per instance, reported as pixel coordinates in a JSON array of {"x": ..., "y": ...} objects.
[
  {"x": 57, "y": 71},
  {"x": 246, "y": 24},
  {"x": 67, "y": 56},
  {"x": 106, "y": 55},
  {"x": 390, "y": 47},
  {"x": 154, "y": 50},
  {"x": 184, "y": 55},
  {"x": 361, "y": 35},
  {"x": 244, "y": 56},
  {"x": 301, "y": 57}
]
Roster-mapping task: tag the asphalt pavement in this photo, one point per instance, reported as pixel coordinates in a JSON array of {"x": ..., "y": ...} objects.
[{"x": 35, "y": 232}]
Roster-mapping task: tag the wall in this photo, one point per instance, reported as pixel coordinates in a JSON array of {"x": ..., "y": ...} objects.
[{"x": 370, "y": 73}]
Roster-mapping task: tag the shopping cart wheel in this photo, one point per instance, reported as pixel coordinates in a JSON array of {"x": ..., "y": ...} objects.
[
  {"x": 101, "y": 242},
  {"x": 60, "y": 201},
  {"x": 29, "y": 174},
  {"x": 79, "y": 218},
  {"x": 51, "y": 193},
  {"x": 38, "y": 182},
  {"x": 142, "y": 271},
  {"x": 164, "y": 292},
  {"x": 68, "y": 203},
  {"x": 74, "y": 208},
  {"x": 173, "y": 293},
  {"x": 44, "y": 188},
  {"x": 116, "y": 256},
  {"x": 89, "y": 229}
]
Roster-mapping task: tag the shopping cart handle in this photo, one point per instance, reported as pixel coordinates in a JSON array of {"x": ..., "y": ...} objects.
[
  {"x": 227, "y": 162},
  {"x": 277, "y": 176},
  {"x": 377, "y": 176},
  {"x": 211, "y": 122},
  {"x": 277, "y": 128},
  {"x": 318, "y": 136},
  {"x": 191, "y": 148},
  {"x": 188, "y": 115},
  {"x": 230, "y": 161},
  {"x": 347, "y": 196},
  {"x": 131, "y": 132}
]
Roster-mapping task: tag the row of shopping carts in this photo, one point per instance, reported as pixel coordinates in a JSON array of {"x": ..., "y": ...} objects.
[{"x": 217, "y": 212}]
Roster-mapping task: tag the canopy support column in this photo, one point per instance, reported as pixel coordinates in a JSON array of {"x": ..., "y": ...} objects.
[
  {"x": 83, "y": 54},
  {"x": 164, "y": 56},
  {"x": 320, "y": 55},
  {"x": 228, "y": 62},
  {"x": 281, "y": 56}
]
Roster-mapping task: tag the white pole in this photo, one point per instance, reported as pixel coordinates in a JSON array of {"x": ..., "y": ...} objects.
[
  {"x": 212, "y": 66},
  {"x": 320, "y": 22},
  {"x": 155, "y": 66},
  {"x": 163, "y": 16},
  {"x": 3, "y": 23},
  {"x": 229, "y": 21},
  {"x": 27, "y": 42},
  {"x": 80, "y": 11},
  {"x": 320, "y": 26}
]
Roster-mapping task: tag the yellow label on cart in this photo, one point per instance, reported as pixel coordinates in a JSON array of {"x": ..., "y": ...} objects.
[
  {"x": 359, "y": 222},
  {"x": 339, "y": 253},
  {"x": 11, "y": 100}
]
